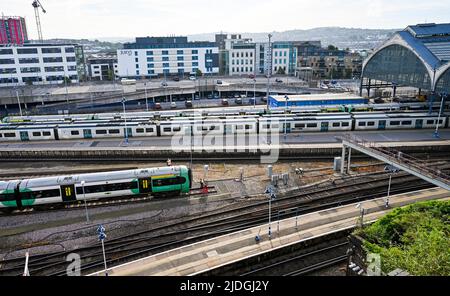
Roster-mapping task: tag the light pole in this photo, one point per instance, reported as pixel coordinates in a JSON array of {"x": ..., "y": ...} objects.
[
  {"x": 271, "y": 194},
  {"x": 389, "y": 190},
  {"x": 285, "y": 117},
  {"x": 67, "y": 94},
  {"x": 436, "y": 132},
  {"x": 125, "y": 119},
  {"x": 85, "y": 204},
  {"x": 101, "y": 237},
  {"x": 18, "y": 102},
  {"x": 254, "y": 92},
  {"x": 146, "y": 99},
  {"x": 269, "y": 69}
]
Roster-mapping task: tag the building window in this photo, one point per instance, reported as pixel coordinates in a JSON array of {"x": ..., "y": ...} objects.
[
  {"x": 54, "y": 69},
  {"x": 180, "y": 64},
  {"x": 180, "y": 58},
  {"x": 194, "y": 64},
  {"x": 276, "y": 54},
  {"x": 6, "y": 51},
  {"x": 30, "y": 70},
  {"x": 165, "y": 52},
  {"x": 137, "y": 66},
  {"x": 166, "y": 71},
  {"x": 237, "y": 62},
  {"x": 166, "y": 65},
  {"x": 251, "y": 69},
  {"x": 194, "y": 58},
  {"x": 6, "y": 61},
  {"x": 149, "y": 52},
  {"x": 69, "y": 49},
  {"x": 52, "y": 60},
  {"x": 232, "y": 54},
  {"x": 137, "y": 72},
  {"x": 150, "y": 59},
  {"x": 194, "y": 70},
  {"x": 27, "y": 50},
  {"x": 179, "y": 51},
  {"x": 136, "y": 53},
  {"x": 151, "y": 71},
  {"x": 8, "y": 71},
  {"x": 136, "y": 60},
  {"x": 232, "y": 69},
  {"x": 246, "y": 54},
  {"x": 232, "y": 62},
  {"x": 194, "y": 51},
  {"x": 51, "y": 50},
  {"x": 285, "y": 53},
  {"x": 70, "y": 59},
  {"x": 31, "y": 61},
  {"x": 251, "y": 54},
  {"x": 251, "y": 62},
  {"x": 150, "y": 65},
  {"x": 285, "y": 61},
  {"x": 165, "y": 59}
]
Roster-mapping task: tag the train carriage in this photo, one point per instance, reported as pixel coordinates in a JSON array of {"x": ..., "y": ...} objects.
[
  {"x": 384, "y": 121},
  {"x": 65, "y": 189}
]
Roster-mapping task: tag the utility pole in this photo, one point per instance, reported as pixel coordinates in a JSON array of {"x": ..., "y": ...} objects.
[
  {"x": 18, "y": 102},
  {"x": 269, "y": 69}
]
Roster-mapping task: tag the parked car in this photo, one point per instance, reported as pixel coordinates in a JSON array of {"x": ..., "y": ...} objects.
[
  {"x": 157, "y": 106},
  {"x": 216, "y": 96},
  {"x": 251, "y": 76},
  {"x": 224, "y": 102},
  {"x": 188, "y": 104},
  {"x": 251, "y": 101},
  {"x": 192, "y": 78},
  {"x": 238, "y": 101},
  {"x": 176, "y": 78},
  {"x": 173, "y": 105},
  {"x": 237, "y": 96},
  {"x": 163, "y": 83},
  {"x": 278, "y": 80},
  {"x": 196, "y": 97},
  {"x": 219, "y": 81}
]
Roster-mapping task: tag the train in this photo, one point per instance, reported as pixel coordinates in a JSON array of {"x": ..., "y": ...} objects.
[
  {"x": 230, "y": 125},
  {"x": 57, "y": 190}
]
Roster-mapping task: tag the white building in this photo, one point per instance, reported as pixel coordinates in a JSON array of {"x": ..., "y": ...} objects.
[
  {"x": 241, "y": 55},
  {"x": 163, "y": 56},
  {"x": 37, "y": 64},
  {"x": 103, "y": 67}
]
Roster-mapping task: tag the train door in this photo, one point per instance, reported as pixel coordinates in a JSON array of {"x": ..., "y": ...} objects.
[
  {"x": 68, "y": 193},
  {"x": 55, "y": 133},
  {"x": 129, "y": 132},
  {"x": 382, "y": 124},
  {"x": 87, "y": 134},
  {"x": 145, "y": 185},
  {"x": 228, "y": 129},
  {"x": 287, "y": 127},
  {"x": 419, "y": 123},
  {"x": 24, "y": 136},
  {"x": 324, "y": 126}
]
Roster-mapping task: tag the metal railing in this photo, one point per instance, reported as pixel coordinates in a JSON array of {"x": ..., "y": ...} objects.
[{"x": 400, "y": 158}]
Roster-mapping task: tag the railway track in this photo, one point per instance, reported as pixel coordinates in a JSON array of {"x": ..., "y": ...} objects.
[{"x": 132, "y": 246}]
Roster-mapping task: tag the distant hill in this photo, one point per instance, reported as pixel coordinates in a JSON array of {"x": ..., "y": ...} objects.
[{"x": 352, "y": 38}]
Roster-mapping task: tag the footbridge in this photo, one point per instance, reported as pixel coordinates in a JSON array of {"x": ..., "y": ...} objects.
[{"x": 402, "y": 161}]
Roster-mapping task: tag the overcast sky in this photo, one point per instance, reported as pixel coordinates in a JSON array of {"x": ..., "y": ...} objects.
[{"x": 131, "y": 18}]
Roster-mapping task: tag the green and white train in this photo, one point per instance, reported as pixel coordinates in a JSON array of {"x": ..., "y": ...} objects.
[{"x": 170, "y": 180}]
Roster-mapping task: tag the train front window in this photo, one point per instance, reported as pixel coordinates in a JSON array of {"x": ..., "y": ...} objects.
[{"x": 168, "y": 181}]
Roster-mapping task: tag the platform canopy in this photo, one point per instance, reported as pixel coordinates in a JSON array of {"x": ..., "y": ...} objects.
[{"x": 418, "y": 56}]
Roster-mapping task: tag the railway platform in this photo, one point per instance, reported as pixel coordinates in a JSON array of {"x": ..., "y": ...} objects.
[{"x": 203, "y": 256}]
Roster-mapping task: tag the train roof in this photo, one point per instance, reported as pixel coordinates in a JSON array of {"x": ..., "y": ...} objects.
[{"x": 102, "y": 176}]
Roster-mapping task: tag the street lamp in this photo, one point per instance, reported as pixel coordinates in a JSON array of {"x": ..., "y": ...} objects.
[
  {"x": 125, "y": 119},
  {"x": 391, "y": 170},
  {"x": 254, "y": 92},
  {"x": 85, "y": 204},
  {"x": 271, "y": 194},
  {"x": 18, "y": 101},
  {"x": 436, "y": 132},
  {"x": 146, "y": 100},
  {"x": 285, "y": 117}
]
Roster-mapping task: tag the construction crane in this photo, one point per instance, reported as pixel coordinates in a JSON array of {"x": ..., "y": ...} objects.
[{"x": 36, "y": 4}]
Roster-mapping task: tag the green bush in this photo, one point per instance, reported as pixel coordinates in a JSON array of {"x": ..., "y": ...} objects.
[{"x": 415, "y": 238}]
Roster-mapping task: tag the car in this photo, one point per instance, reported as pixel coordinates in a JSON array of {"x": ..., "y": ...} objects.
[
  {"x": 278, "y": 80},
  {"x": 264, "y": 99},
  {"x": 251, "y": 101},
  {"x": 238, "y": 101},
  {"x": 251, "y": 76},
  {"x": 163, "y": 83},
  {"x": 188, "y": 104},
  {"x": 219, "y": 81},
  {"x": 216, "y": 96},
  {"x": 197, "y": 97},
  {"x": 192, "y": 78},
  {"x": 176, "y": 78},
  {"x": 173, "y": 105},
  {"x": 157, "y": 106},
  {"x": 224, "y": 102},
  {"x": 210, "y": 96},
  {"x": 237, "y": 96},
  {"x": 243, "y": 96}
]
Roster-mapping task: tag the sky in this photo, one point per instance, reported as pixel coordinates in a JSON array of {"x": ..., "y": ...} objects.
[{"x": 130, "y": 18}]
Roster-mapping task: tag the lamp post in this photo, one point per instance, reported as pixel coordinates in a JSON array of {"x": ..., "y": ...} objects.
[
  {"x": 271, "y": 194},
  {"x": 85, "y": 204},
  {"x": 146, "y": 99},
  {"x": 254, "y": 92},
  {"x": 18, "y": 102},
  {"x": 125, "y": 119},
  {"x": 269, "y": 69},
  {"x": 436, "y": 132},
  {"x": 101, "y": 237},
  {"x": 391, "y": 169},
  {"x": 285, "y": 117}
]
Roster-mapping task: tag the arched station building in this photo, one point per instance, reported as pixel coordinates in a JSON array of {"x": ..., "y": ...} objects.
[{"x": 418, "y": 56}]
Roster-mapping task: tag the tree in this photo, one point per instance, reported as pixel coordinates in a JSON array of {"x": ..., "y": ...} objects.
[
  {"x": 198, "y": 73},
  {"x": 67, "y": 80},
  {"x": 110, "y": 74},
  {"x": 332, "y": 47}
]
